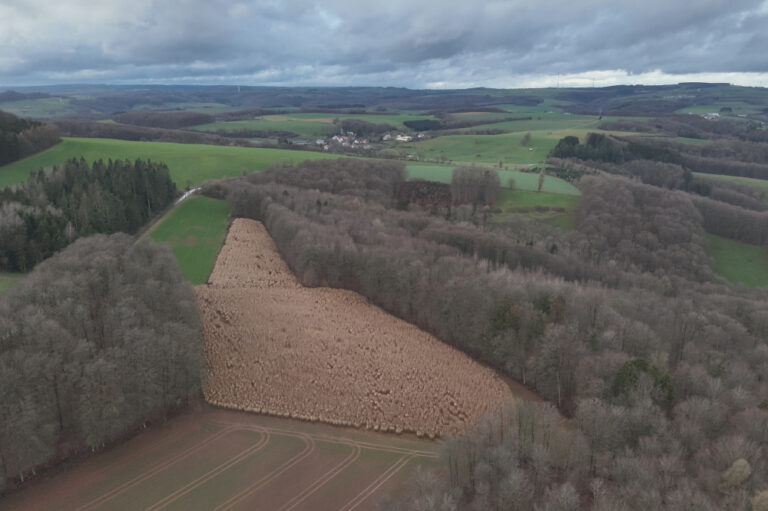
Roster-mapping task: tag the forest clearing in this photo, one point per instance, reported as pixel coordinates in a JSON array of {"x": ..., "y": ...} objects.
[
  {"x": 195, "y": 229},
  {"x": 328, "y": 355},
  {"x": 224, "y": 460}
]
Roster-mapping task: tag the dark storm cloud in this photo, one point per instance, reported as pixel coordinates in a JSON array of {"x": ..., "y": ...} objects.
[{"x": 437, "y": 43}]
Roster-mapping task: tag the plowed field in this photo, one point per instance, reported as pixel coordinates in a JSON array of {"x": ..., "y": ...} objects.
[
  {"x": 224, "y": 460},
  {"x": 328, "y": 355}
]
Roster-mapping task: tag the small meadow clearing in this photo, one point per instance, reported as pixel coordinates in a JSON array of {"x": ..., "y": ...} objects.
[
  {"x": 739, "y": 263},
  {"x": 195, "y": 229}
]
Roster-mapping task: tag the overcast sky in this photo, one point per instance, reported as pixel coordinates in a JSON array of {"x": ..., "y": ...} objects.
[{"x": 417, "y": 44}]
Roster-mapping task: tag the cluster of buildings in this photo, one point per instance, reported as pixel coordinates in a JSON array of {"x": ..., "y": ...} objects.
[
  {"x": 351, "y": 140},
  {"x": 399, "y": 137}
]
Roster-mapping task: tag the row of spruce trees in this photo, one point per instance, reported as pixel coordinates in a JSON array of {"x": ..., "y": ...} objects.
[
  {"x": 20, "y": 138},
  {"x": 76, "y": 199}
]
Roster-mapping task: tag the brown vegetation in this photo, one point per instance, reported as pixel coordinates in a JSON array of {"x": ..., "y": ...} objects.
[
  {"x": 327, "y": 354},
  {"x": 659, "y": 369}
]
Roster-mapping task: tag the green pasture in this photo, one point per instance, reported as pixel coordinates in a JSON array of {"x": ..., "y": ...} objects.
[
  {"x": 508, "y": 200},
  {"x": 308, "y": 129},
  {"x": 187, "y": 162},
  {"x": 739, "y": 263},
  {"x": 195, "y": 229},
  {"x": 210, "y": 108},
  {"x": 548, "y": 121},
  {"x": 479, "y": 116},
  {"x": 491, "y": 149},
  {"x": 749, "y": 181},
  {"x": 308, "y": 124},
  {"x": 9, "y": 279},
  {"x": 526, "y": 202},
  {"x": 692, "y": 141},
  {"x": 547, "y": 106},
  {"x": 737, "y": 107},
  {"x": 488, "y": 149},
  {"x": 523, "y": 180},
  {"x": 565, "y": 221},
  {"x": 43, "y": 108}
]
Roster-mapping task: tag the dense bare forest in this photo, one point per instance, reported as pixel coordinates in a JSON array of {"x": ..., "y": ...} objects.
[
  {"x": 96, "y": 341},
  {"x": 76, "y": 199},
  {"x": 657, "y": 369},
  {"x": 168, "y": 120},
  {"x": 727, "y": 209}
]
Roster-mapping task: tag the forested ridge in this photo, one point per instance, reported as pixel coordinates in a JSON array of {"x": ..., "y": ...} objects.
[
  {"x": 55, "y": 207},
  {"x": 730, "y": 210},
  {"x": 96, "y": 341},
  {"x": 20, "y": 138},
  {"x": 657, "y": 369}
]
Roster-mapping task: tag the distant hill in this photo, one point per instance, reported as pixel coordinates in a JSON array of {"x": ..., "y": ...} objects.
[
  {"x": 11, "y": 95},
  {"x": 105, "y": 101}
]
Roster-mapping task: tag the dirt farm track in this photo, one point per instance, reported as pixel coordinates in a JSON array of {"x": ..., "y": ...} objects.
[{"x": 224, "y": 460}]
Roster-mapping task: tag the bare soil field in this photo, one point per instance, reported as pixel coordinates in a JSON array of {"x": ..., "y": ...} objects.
[
  {"x": 225, "y": 460},
  {"x": 328, "y": 355}
]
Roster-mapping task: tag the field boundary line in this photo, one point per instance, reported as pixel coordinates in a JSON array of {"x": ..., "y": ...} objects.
[
  {"x": 332, "y": 439},
  {"x": 154, "y": 470},
  {"x": 223, "y": 467},
  {"x": 147, "y": 229},
  {"x": 309, "y": 448},
  {"x": 322, "y": 480},
  {"x": 376, "y": 484},
  {"x": 138, "y": 453}
]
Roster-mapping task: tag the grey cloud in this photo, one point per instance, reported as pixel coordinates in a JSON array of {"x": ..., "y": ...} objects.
[{"x": 346, "y": 42}]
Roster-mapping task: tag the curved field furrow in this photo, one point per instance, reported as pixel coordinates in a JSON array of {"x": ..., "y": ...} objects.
[
  {"x": 375, "y": 485},
  {"x": 171, "y": 497},
  {"x": 328, "y": 355},
  {"x": 263, "y": 481},
  {"x": 312, "y": 488},
  {"x": 244, "y": 461},
  {"x": 332, "y": 439},
  {"x": 99, "y": 501}
]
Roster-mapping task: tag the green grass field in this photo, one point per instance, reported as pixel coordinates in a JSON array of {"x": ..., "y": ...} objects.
[
  {"x": 193, "y": 162},
  {"x": 9, "y": 279},
  {"x": 523, "y": 180},
  {"x": 43, "y": 108},
  {"x": 739, "y": 262},
  {"x": 308, "y": 124},
  {"x": 195, "y": 229},
  {"x": 526, "y": 201},
  {"x": 692, "y": 141},
  {"x": 737, "y": 107},
  {"x": 490, "y": 149},
  {"x": 749, "y": 181},
  {"x": 548, "y": 122}
]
